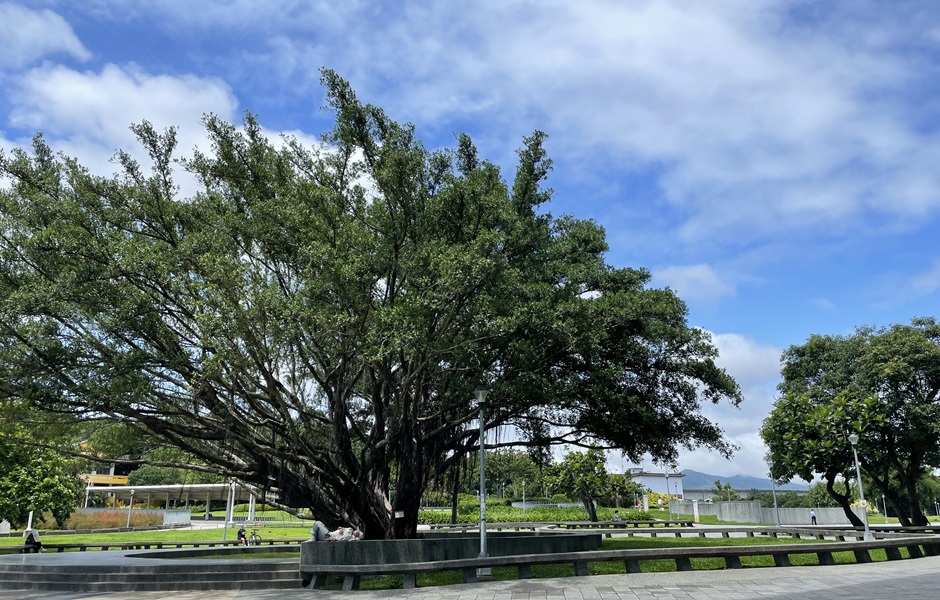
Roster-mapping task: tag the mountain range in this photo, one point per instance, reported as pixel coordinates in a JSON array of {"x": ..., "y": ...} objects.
[{"x": 694, "y": 480}]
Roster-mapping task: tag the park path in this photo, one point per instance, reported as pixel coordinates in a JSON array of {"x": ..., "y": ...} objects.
[{"x": 896, "y": 580}]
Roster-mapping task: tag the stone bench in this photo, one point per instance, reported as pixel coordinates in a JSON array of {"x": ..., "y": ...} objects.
[
  {"x": 514, "y": 526},
  {"x": 80, "y": 547},
  {"x": 622, "y": 524},
  {"x": 315, "y": 575}
]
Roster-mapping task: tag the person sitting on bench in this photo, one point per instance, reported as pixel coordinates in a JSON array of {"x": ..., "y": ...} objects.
[{"x": 32, "y": 543}]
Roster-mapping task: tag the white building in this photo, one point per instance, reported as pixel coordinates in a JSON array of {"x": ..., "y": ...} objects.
[{"x": 658, "y": 482}]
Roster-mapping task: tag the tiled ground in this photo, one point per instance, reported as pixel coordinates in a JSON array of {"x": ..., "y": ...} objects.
[{"x": 903, "y": 580}]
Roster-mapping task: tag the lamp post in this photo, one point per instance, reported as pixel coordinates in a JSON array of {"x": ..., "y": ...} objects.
[
  {"x": 668, "y": 499},
  {"x": 853, "y": 439},
  {"x": 130, "y": 505},
  {"x": 675, "y": 488},
  {"x": 884, "y": 503},
  {"x": 773, "y": 486},
  {"x": 480, "y": 395},
  {"x": 523, "y": 498}
]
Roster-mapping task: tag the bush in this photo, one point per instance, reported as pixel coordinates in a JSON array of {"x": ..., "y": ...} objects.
[
  {"x": 505, "y": 514},
  {"x": 112, "y": 519}
]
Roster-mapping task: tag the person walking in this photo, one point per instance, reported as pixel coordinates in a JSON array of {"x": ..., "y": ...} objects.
[{"x": 812, "y": 516}]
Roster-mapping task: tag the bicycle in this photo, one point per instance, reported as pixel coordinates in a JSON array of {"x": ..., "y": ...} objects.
[{"x": 254, "y": 539}]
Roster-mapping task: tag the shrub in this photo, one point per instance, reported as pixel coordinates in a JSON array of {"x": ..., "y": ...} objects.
[
  {"x": 111, "y": 519},
  {"x": 505, "y": 514}
]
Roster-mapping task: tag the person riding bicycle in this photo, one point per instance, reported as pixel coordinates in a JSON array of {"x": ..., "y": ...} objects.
[{"x": 242, "y": 536}]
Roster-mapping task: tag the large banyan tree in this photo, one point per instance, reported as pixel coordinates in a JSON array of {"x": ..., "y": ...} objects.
[{"x": 313, "y": 320}]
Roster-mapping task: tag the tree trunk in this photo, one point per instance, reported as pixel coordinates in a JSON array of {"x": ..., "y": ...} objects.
[
  {"x": 843, "y": 501},
  {"x": 891, "y": 498},
  {"x": 455, "y": 493},
  {"x": 917, "y": 516},
  {"x": 591, "y": 509},
  {"x": 409, "y": 486},
  {"x": 895, "y": 504}
]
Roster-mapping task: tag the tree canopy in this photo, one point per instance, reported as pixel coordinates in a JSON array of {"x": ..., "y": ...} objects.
[
  {"x": 881, "y": 384},
  {"x": 313, "y": 320}
]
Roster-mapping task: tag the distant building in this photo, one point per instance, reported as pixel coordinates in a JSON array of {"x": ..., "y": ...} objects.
[
  {"x": 657, "y": 482},
  {"x": 116, "y": 475}
]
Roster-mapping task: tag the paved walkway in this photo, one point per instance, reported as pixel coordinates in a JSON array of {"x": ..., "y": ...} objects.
[{"x": 896, "y": 580}]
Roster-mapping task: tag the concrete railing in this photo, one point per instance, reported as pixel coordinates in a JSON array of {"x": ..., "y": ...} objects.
[
  {"x": 533, "y": 525},
  {"x": 140, "y": 545},
  {"x": 314, "y": 575}
]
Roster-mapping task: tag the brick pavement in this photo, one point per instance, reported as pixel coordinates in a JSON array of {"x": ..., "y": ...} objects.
[{"x": 901, "y": 580}]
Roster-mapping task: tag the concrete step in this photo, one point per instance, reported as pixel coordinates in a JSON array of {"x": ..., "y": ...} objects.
[
  {"x": 164, "y": 586},
  {"x": 181, "y": 567},
  {"x": 147, "y": 577},
  {"x": 180, "y": 576}
]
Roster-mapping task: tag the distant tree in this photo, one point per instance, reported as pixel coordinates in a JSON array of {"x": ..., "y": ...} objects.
[
  {"x": 622, "y": 488},
  {"x": 882, "y": 384},
  {"x": 508, "y": 469},
  {"x": 32, "y": 476},
  {"x": 725, "y": 491},
  {"x": 819, "y": 494},
  {"x": 35, "y": 480},
  {"x": 805, "y": 437},
  {"x": 582, "y": 476}
]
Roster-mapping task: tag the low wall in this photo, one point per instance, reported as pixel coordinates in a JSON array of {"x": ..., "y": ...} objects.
[
  {"x": 447, "y": 547},
  {"x": 752, "y": 512},
  {"x": 800, "y": 516}
]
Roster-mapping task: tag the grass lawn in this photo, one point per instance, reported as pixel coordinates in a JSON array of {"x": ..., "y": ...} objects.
[
  {"x": 168, "y": 535},
  {"x": 617, "y": 567},
  {"x": 500, "y": 573}
]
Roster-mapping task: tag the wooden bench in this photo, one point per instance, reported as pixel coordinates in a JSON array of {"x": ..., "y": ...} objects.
[{"x": 315, "y": 575}]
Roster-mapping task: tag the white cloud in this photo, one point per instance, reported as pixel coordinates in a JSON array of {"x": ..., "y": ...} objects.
[
  {"x": 756, "y": 368},
  {"x": 88, "y": 114},
  {"x": 824, "y": 303},
  {"x": 693, "y": 282},
  {"x": 272, "y": 15},
  {"x": 928, "y": 281},
  {"x": 64, "y": 102},
  {"x": 748, "y": 361},
  {"x": 758, "y": 123},
  {"x": 30, "y": 35}
]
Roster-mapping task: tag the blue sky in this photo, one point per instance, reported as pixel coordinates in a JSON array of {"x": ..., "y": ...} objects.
[{"x": 775, "y": 162}]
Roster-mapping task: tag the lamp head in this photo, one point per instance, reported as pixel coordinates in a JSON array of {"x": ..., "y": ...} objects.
[
  {"x": 480, "y": 393},
  {"x": 853, "y": 439}
]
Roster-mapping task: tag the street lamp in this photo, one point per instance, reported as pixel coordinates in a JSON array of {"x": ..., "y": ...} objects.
[
  {"x": 668, "y": 499},
  {"x": 773, "y": 486},
  {"x": 853, "y": 439},
  {"x": 523, "y": 499},
  {"x": 480, "y": 395},
  {"x": 884, "y": 503},
  {"x": 130, "y": 505}
]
